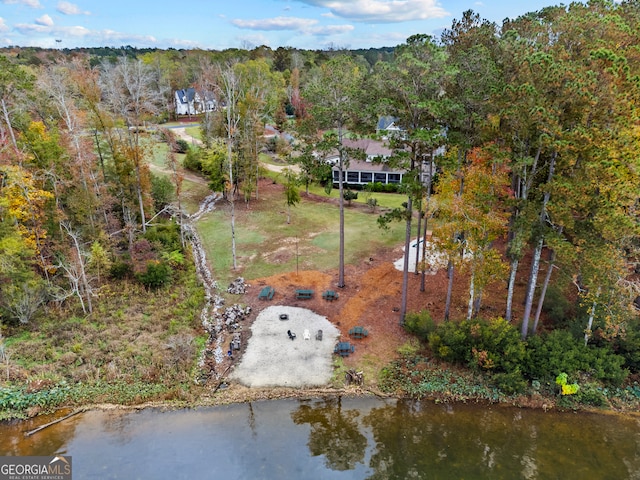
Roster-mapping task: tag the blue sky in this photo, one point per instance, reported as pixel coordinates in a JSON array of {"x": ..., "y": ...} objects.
[{"x": 216, "y": 24}]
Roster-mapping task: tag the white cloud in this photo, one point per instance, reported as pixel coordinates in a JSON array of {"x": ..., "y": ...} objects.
[
  {"x": 331, "y": 30},
  {"x": 3, "y": 26},
  {"x": 45, "y": 20},
  {"x": 302, "y": 25},
  {"x": 68, "y": 8},
  {"x": 28, "y": 3},
  {"x": 89, "y": 37},
  {"x": 382, "y": 11},
  {"x": 277, "y": 23}
]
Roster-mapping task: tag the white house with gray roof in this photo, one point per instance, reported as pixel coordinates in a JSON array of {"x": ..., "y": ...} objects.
[
  {"x": 189, "y": 102},
  {"x": 373, "y": 169}
]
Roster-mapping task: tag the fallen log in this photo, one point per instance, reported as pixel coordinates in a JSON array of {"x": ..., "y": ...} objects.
[{"x": 58, "y": 420}]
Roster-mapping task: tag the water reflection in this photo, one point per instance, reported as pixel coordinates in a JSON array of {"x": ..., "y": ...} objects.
[
  {"x": 335, "y": 433},
  {"x": 339, "y": 438}
]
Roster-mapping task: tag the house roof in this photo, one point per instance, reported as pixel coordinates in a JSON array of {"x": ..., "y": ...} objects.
[
  {"x": 362, "y": 166},
  {"x": 186, "y": 95},
  {"x": 385, "y": 122},
  {"x": 372, "y": 148}
]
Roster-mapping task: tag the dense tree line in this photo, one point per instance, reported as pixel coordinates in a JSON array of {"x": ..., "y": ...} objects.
[{"x": 538, "y": 118}]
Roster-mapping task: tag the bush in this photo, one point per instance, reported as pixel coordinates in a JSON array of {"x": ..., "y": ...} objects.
[
  {"x": 590, "y": 394},
  {"x": 193, "y": 160},
  {"x": 510, "y": 383},
  {"x": 349, "y": 195},
  {"x": 559, "y": 351},
  {"x": 162, "y": 191},
  {"x": 558, "y": 309},
  {"x": 121, "y": 269},
  {"x": 419, "y": 324},
  {"x": 156, "y": 275},
  {"x": 182, "y": 146},
  {"x": 166, "y": 234},
  {"x": 628, "y": 346},
  {"x": 492, "y": 345}
]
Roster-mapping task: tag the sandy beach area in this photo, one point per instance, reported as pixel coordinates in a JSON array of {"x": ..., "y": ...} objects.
[{"x": 273, "y": 359}]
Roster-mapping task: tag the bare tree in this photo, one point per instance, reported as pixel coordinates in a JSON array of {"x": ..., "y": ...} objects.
[
  {"x": 230, "y": 91},
  {"x": 76, "y": 270},
  {"x": 128, "y": 88}
]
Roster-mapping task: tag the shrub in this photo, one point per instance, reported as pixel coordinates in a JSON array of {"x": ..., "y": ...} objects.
[
  {"x": 156, "y": 275},
  {"x": 121, "y": 269},
  {"x": 559, "y": 351},
  {"x": 628, "y": 346},
  {"x": 493, "y": 345},
  {"x": 378, "y": 187},
  {"x": 419, "y": 324},
  {"x": 181, "y": 146},
  {"x": 591, "y": 394},
  {"x": 162, "y": 191},
  {"x": 167, "y": 234},
  {"x": 558, "y": 309},
  {"x": 510, "y": 383},
  {"x": 193, "y": 160},
  {"x": 349, "y": 195}
]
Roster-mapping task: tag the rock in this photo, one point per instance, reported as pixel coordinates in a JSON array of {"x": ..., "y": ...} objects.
[{"x": 237, "y": 287}]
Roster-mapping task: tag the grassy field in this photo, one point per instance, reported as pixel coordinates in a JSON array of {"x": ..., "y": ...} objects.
[{"x": 267, "y": 245}]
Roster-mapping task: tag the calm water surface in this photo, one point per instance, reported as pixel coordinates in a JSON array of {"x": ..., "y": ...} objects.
[{"x": 337, "y": 438}]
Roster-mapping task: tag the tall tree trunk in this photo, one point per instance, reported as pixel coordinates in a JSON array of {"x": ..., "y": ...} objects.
[
  {"x": 512, "y": 283},
  {"x": 419, "y": 229},
  {"x": 521, "y": 186},
  {"x": 83, "y": 288},
  {"x": 8, "y": 121},
  {"x": 426, "y": 222},
  {"x": 341, "y": 203},
  {"x": 471, "y": 296},
  {"x": 447, "y": 305},
  {"x": 592, "y": 314},
  {"x": 231, "y": 200},
  {"x": 405, "y": 268},
  {"x": 535, "y": 264},
  {"x": 140, "y": 201},
  {"x": 543, "y": 291}
]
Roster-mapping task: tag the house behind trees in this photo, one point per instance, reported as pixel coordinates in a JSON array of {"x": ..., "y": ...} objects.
[{"x": 190, "y": 102}]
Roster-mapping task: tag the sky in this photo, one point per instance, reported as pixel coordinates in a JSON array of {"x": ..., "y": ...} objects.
[{"x": 218, "y": 25}]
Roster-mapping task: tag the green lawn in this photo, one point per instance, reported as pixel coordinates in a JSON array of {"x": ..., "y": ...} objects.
[{"x": 266, "y": 245}]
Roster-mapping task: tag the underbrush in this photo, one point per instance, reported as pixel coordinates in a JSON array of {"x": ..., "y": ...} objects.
[
  {"x": 485, "y": 360},
  {"x": 137, "y": 345},
  {"x": 419, "y": 377}
]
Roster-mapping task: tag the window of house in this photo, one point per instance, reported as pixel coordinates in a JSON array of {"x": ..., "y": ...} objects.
[
  {"x": 394, "y": 178},
  {"x": 353, "y": 177},
  {"x": 380, "y": 177},
  {"x": 366, "y": 177}
]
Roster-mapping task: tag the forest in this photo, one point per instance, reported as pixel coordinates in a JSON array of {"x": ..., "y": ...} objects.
[{"x": 532, "y": 128}]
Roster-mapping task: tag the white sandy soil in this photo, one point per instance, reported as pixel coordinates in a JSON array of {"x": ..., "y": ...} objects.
[
  {"x": 271, "y": 359},
  {"x": 435, "y": 260}
]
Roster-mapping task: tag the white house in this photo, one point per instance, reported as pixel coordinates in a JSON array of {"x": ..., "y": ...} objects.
[
  {"x": 374, "y": 168},
  {"x": 190, "y": 102},
  {"x": 361, "y": 172},
  {"x": 387, "y": 126}
]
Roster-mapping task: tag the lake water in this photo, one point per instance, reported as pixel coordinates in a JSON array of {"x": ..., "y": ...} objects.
[{"x": 338, "y": 438}]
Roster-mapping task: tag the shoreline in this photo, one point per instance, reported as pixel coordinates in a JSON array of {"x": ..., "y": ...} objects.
[{"x": 239, "y": 394}]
